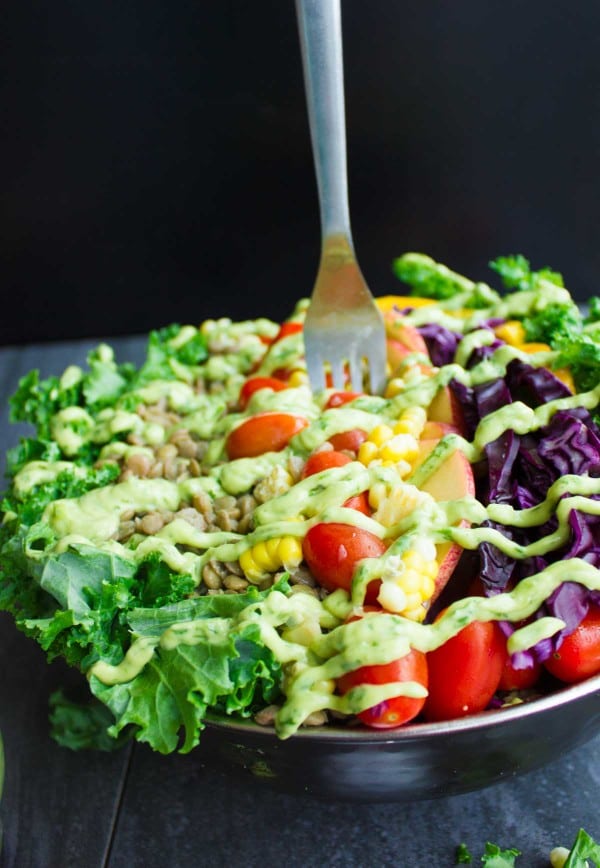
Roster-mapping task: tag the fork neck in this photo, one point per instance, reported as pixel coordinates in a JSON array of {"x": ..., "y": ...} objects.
[{"x": 320, "y": 27}]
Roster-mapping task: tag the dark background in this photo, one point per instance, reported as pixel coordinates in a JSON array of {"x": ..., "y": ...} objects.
[{"x": 156, "y": 162}]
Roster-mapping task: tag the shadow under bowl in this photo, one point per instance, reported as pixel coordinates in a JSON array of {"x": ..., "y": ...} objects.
[{"x": 416, "y": 762}]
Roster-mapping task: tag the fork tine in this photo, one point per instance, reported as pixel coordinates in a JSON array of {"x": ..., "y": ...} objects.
[
  {"x": 356, "y": 376},
  {"x": 315, "y": 365},
  {"x": 337, "y": 373},
  {"x": 377, "y": 365}
]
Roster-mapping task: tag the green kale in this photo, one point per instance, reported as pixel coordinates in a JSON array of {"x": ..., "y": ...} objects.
[
  {"x": 593, "y": 314},
  {"x": 584, "y": 847},
  {"x": 555, "y": 324},
  {"x": 70, "y": 483},
  {"x": 162, "y": 353},
  {"x": 82, "y": 726},
  {"x": 462, "y": 855},
  {"x": 430, "y": 279},
  {"x": 495, "y": 857},
  {"x": 516, "y": 273}
]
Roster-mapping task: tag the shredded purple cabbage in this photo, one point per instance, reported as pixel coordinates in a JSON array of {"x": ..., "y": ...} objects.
[{"x": 441, "y": 343}]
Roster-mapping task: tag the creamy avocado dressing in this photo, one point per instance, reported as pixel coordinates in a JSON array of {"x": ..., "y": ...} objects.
[{"x": 306, "y": 635}]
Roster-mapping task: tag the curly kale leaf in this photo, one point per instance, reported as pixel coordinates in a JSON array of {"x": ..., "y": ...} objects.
[{"x": 516, "y": 273}]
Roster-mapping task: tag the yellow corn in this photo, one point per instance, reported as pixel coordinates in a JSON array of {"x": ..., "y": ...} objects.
[
  {"x": 408, "y": 592},
  {"x": 298, "y": 378},
  {"x": 269, "y": 556},
  {"x": 395, "y": 387},
  {"x": 395, "y": 445},
  {"x": 411, "y": 421},
  {"x": 380, "y": 434},
  {"x": 367, "y": 452}
]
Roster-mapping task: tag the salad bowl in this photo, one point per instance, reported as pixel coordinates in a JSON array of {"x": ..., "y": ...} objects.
[
  {"x": 355, "y": 596},
  {"x": 419, "y": 761}
]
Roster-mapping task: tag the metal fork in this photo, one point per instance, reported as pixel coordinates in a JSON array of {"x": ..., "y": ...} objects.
[{"x": 344, "y": 328}]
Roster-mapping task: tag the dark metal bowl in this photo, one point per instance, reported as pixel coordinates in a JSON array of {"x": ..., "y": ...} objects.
[{"x": 419, "y": 761}]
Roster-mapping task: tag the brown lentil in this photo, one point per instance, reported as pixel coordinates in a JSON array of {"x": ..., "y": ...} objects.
[
  {"x": 150, "y": 523},
  {"x": 235, "y": 583}
]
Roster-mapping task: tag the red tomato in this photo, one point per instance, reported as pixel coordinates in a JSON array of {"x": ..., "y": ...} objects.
[
  {"x": 288, "y": 328},
  {"x": 579, "y": 654},
  {"x": 349, "y": 440},
  {"x": 359, "y": 502},
  {"x": 465, "y": 671},
  {"x": 518, "y": 679},
  {"x": 332, "y": 550},
  {"x": 282, "y": 374},
  {"x": 392, "y": 712},
  {"x": 265, "y": 432},
  {"x": 323, "y": 461},
  {"x": 340, "y": 398},
  {"x": 254, "y": 384}
]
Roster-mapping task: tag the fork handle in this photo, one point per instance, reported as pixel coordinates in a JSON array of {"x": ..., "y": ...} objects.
[{"x": 320, "y": 26}]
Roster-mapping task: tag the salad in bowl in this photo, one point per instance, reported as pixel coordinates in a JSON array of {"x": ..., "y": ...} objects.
[{"x": 202, "y": 535}]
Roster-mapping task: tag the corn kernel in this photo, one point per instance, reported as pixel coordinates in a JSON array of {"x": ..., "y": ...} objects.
[
  {"x": 367, "y": 452},
  {"x": 380, "y": 434},
  {"x": 290, "y": 552},
  {"x": 394, "y": 387},
  {"x": 298, "y": 378}
]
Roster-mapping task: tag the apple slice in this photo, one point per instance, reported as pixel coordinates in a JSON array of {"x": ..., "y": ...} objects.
[
  {"x": 451, "y": 480},
  {"x": 445, "y": 409},
  {"x": 434, "y": 430}
]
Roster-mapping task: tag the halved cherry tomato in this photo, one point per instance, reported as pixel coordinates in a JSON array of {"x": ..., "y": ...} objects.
[
  {"x": 464, "y": 672},
  {"x": 323, "y": 461},
  {"x": 349, "y": 440},
  {"x": 518, "y": 679},
  {"x": 392, "y": 712},
  {"x": 254, "y": 384},
  {"x": 332, "y": 550},
  {"x": 338, "y": 399},
  {"x": 288, "y": 328},
  {"x": 579, "y": 654},
  {"x": 265, "y": 432},
  {"x": 319, "y": 461},
  {"x": 360, "y": 502}
]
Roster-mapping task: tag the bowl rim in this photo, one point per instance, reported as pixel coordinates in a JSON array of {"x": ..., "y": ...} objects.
[{"x": 415, "y": 731}]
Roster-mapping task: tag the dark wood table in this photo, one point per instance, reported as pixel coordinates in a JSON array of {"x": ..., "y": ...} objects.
[{"x": 130, "y": 808}]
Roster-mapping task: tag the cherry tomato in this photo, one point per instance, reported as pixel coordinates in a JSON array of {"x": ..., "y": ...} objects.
[
  {"x": 518, "y": 679},
  {"x": 282, "y": 374},
  {"x": 332, "y": 551},
  {"x": 360, "y": 502},
  {"x": 254, "y": 384},
  {"x": 288, "y": 328},
  {"x": 265, "y": 432},
  {"x": 465, "y": 671},
  {"x": 349, "y": 440},
  {"x": 319, "y": 461},
  {"x": 340, "y": 398},
  {"x": 579, "y": 654},
  {"x": 323, "y": 461},
  {"x": 392, "y": 712}
]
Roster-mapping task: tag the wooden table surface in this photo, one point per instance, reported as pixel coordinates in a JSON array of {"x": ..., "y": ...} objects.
[{"x": 133, "y": 807}]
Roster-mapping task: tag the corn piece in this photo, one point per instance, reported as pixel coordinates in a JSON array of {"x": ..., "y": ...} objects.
[
  {"x": 298, "y": 378},
  {"x": 380, "y": 434}
]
